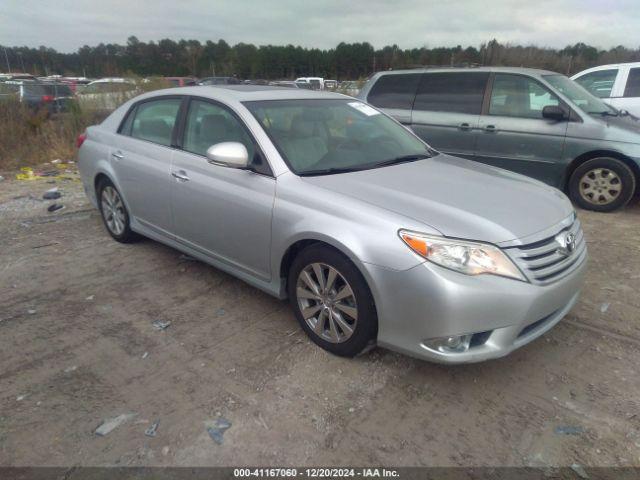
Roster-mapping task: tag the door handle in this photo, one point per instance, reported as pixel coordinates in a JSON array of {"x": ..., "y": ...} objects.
[
  {"x": 117, "y": 155},
  {"x": 490, "y": 128},
  {"x": 464, "y": 126},
  {"x": 181, "y": 175}
]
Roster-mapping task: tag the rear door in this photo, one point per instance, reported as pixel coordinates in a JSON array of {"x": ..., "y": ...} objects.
[
  {"x": 447, "y": 110},
  {"x": 394, "y": 93},
  {"x": 513, "y": 134},
  {"x": 141, "y": 158},
  {"x": 222, "y": 212}
]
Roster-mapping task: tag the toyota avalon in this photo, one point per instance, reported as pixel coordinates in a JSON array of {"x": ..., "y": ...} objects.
[{"x": 375, "y": 237}]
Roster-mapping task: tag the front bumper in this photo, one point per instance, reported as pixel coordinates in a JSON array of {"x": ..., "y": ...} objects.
[{"x": 428, "y": 301}]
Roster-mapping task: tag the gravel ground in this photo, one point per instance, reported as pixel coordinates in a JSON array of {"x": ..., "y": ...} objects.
[{"x": 77, "y": 346}]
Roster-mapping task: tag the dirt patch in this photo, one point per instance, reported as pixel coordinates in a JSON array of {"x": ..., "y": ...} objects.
[{"x": 77, "y": 346}]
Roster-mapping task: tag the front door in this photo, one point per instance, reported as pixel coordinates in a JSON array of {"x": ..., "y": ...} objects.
[
  {"x": 222, "y": 212},
  {"x": 513, "y": 134}
]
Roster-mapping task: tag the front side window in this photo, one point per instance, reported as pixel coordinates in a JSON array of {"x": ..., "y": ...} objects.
[
  {"x": 599, "y": 83},
  {"x": 452, "y": 92},
  {"x": 319, "y": 137},
  {"x": 394, "y": 91},
  {"x": 519, "y": 96},
  {"x": 633, "y": 83},
  {"x": 208, "y": 124},
  {"x": 154, "y": 120}
]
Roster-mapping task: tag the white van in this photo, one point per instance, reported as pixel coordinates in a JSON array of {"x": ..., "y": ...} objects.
[
  {"x": 618, "y": 85},
  {"x": 316, "y": 83}
]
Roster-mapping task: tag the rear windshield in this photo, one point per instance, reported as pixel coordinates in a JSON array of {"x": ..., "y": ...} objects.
[
  {"x": 58, "y": 90},
  {"x": 34, "y": 90}
]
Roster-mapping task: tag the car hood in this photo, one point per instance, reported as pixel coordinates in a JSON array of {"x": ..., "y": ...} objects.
[
  {"x": 457, "y": 197},
  {"x": 622, "y": 128}
]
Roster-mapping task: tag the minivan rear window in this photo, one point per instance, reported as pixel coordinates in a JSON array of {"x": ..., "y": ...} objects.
[
  {"x": 458, "y": 92},
  {"x": 394, "y": 91}
]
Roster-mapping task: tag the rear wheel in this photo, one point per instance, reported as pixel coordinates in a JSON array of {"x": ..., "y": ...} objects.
[
  {"x": 602, "y": 184},
  {"x": 114, "y": 213},
  {"x": 332, "y": 301}
]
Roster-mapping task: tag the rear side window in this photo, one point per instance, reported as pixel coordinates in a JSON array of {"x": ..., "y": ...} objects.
[
  {"x": 633, "y": 83},
  {"x": 34, "y": 90},
  {"x": 154, "y": 120},
  {"x": 394, "y": 91},
  {"x": 452, "y": 92},
  {"x": 599, "y": 83}
]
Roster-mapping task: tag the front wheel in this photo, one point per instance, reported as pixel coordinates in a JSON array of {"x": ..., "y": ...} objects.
[
  {"x": 602, "y": 184},
  {"x": 332, "y": 301}
]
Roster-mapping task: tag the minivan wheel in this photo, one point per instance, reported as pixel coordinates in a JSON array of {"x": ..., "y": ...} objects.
[
  {"x": 332, "y": 301},
  {"x": 114, "y": 213},
  {"x": 602, "y": 184}
]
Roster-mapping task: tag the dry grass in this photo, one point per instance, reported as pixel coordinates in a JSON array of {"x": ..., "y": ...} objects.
[{"x": 31, "y": 138}]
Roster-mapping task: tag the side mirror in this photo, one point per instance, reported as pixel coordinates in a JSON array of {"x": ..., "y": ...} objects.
[
  {"x": 228, "y": 154},
  {"x": 554, "y": 112}
]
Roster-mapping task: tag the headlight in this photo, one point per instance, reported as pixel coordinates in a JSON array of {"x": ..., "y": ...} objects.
[{"x": 470, "y": 258}]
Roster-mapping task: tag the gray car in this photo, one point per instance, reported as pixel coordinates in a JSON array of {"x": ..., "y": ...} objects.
[
  {"x": 534, "y": 122},
  {"x": 374, "y": 237}
]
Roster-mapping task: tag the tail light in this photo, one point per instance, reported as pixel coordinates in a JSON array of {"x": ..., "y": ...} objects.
[
  {"x": 80, "y": 140},
  {"x": 47, "y": 98}
]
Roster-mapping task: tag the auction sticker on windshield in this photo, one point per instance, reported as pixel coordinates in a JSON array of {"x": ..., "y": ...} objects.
[{"x": 366, "y": 109}]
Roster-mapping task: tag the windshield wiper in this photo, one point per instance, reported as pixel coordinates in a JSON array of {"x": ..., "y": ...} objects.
[
  {"x": 605, "y": 113},
  {"x": 330, "y": 171},
  {"x": 402, "y": 159}
]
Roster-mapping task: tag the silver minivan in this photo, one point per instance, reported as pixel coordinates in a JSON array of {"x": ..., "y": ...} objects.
[{"x": 534, "y": 122}]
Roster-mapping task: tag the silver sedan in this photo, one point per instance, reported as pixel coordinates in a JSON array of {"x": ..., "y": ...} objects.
[{"x": 374, "y": 237}]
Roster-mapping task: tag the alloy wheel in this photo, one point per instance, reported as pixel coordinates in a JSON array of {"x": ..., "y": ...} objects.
[
  {"x": 600, "y": 186},
  {"x": 327, "y": 302},
  {"x": 113, "y": 210}
]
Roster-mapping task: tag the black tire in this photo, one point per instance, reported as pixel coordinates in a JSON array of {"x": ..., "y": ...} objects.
[
  {"x": 594, "y": 199},
  {"x": 127, "y": 235},
  {"x": 366, "y": 325}
]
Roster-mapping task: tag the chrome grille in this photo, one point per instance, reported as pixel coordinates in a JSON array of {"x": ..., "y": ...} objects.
[{"x": 542, "y": 262}]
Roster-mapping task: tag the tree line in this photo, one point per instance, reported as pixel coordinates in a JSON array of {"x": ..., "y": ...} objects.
[{"x": 347, "y": 61}]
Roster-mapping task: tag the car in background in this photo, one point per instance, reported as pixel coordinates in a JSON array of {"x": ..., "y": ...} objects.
[
  {"x": 315, "y": 83},
  {"x": 330, "y": 84},
  {"x": 106, "y": 94},
  {"x": 534, "y": 122},
  {"x": 181, "y": 81},
  {"x": 51, "y": 98},
  {"x": 349, "y": 87},
  {"x": 315, "y": 196},
  {"x": 617, "y": 84},
  {"x": 284, "y": 83},
  {"x": 16, "y": 76},
  {"x": 218, "y": 81}
]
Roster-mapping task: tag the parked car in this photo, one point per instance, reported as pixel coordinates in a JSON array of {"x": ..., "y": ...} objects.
[
  {"x": 16, "y": 77},
  {"x": 618, "y": 85},
  {"x": 373, "y": 236},
  {"x": 38, "y": 96},
  {"x": 284, "y": 83},
  {"x": 181, "y": 81},
  {"x": 315, "y": 83},
  {"x": 330, "y": 84},
  {"x": 350, "y": 88},
  {"x": 533, "y": 122},
  {"x": 106, "y": 93},
  {"x": 219, "y": 81}
]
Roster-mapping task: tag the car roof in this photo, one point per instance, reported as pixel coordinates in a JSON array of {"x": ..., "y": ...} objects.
[
  {"x": 528, "y": 71},
  {"x": 244, "y": 93}
]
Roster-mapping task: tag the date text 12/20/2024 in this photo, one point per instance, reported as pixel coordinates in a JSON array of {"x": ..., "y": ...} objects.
[{"x": 315, "y": 473}]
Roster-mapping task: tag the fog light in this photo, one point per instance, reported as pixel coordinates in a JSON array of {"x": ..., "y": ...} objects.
[{"x": 453, "y": 344}]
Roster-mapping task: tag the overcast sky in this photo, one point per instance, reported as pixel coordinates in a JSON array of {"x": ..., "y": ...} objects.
[{"x": 68, "y": 24}]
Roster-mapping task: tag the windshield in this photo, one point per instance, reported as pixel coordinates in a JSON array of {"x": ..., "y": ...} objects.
[
  {"x": 580, "y": 97},
  {"x": 318, "y": 137}
]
